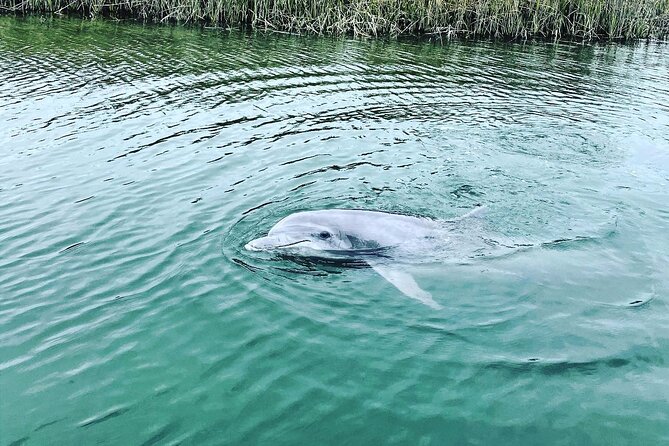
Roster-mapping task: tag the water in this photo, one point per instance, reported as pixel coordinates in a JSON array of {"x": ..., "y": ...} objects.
[{"x": 137, "y": 161}]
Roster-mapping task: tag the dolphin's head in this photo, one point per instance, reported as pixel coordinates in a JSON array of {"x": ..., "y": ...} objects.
[{"x": 302, "y": 234}]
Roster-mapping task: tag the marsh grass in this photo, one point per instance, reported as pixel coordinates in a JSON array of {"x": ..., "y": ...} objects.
[{"x": 580, "y": 19}]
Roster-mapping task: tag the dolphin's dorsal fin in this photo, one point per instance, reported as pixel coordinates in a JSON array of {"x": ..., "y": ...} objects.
[{"x": 404, "y": 282}]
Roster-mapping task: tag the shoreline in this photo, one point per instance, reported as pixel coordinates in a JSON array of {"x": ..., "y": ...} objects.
[{"x": 584, "y": 20}]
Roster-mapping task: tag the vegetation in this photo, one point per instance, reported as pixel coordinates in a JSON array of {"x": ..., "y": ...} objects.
[{"x": 583, "y": 19}]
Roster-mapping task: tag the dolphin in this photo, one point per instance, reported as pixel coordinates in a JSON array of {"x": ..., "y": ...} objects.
[{"x": 385, "y": 241}]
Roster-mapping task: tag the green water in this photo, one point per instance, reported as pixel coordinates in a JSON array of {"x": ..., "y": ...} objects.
[{"x": 136, "y": 162}]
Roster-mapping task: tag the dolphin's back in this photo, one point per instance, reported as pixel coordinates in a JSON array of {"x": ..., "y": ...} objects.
[{"x": 386, "y": 229}]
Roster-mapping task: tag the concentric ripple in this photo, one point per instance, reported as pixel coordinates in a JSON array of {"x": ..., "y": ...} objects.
[{"x": 137, "y": 161}]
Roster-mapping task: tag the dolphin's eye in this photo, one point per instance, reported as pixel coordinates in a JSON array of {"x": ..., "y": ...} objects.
[{"x": 325, "y": 235}]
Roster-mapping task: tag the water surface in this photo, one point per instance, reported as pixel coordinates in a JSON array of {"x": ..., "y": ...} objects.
[{"x": 136, "y": 162}]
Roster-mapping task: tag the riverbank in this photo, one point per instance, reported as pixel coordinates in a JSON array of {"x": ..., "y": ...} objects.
[{"x": 577, "y": 19}]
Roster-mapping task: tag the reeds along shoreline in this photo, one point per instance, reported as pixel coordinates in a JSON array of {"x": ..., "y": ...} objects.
[{"x": 581, "y": 19}]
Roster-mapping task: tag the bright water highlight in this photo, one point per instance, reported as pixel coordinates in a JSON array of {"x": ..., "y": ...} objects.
[{"x": 136, "y": 162}]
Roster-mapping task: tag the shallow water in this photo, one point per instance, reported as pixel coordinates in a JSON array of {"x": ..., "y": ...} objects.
[{"x": 137, "y": 161}]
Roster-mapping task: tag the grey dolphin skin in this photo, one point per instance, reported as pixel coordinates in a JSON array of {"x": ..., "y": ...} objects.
[{"x": 384, "y": 241}]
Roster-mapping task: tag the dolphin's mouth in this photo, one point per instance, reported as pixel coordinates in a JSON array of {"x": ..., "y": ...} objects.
[
  {"x": 291, "y": 244},
  {"x": 265, "y": 244}
]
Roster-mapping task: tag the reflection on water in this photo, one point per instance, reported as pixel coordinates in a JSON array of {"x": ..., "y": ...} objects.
[{"x": 137, "y": 162}]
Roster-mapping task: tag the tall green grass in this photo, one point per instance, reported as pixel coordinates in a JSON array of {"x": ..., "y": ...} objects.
[{"x": 583, "y": 19}]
